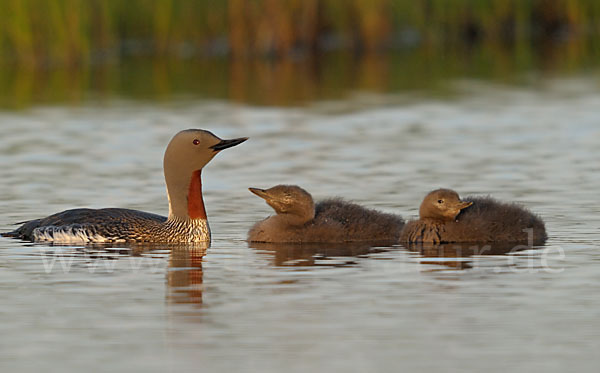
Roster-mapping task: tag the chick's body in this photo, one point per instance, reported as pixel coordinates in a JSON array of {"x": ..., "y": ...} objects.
[
  {"x": 299, "y": 220},
  {"x": 444, "y": 218}
]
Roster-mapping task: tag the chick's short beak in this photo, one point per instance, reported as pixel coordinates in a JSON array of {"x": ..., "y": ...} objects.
[
  {"x": 259, "y": 192},
  {"x": 463, "y": 205}
]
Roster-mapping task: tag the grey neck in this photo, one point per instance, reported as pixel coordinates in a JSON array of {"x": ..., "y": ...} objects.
[{"x": 177, "y": 192}]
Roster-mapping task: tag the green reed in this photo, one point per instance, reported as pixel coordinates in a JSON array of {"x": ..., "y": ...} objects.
[
  {"x": 282, "y": 52},
  {"x": 73, "y": 32}
]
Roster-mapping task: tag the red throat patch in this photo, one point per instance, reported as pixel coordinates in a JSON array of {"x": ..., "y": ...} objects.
[{"x": 195, "y": 202}]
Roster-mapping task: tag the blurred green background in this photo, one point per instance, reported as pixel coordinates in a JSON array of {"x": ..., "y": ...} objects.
[{"x": 283, "y": 52}]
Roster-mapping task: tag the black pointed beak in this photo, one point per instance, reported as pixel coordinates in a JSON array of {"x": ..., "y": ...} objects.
[{"x": 224, "y": 144}]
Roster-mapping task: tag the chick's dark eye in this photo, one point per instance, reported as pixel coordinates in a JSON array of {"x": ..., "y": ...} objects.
[
  {"x": 440, "y": 201},
  {"x": 196, "y": 141}
]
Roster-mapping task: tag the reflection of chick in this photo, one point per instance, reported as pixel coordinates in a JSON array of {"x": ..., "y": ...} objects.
[
  {"x": 444, "y": 217},
  {"x": 334, "y": 220},
  {"x": 333, "y": 254}
]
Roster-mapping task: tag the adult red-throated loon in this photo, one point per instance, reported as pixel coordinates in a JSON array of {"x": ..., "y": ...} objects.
[{"x": 187, "y": 153}]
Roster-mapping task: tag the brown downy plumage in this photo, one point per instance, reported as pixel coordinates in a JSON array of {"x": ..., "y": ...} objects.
[
  {"x": 187, "y": 153},
  {"x": 299, "y": 220},
  {"x": 444, "y": 217}
]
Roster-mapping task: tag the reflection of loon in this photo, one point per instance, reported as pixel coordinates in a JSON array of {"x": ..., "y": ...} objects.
[
  {"x": 187, "y": 153},
  {"x": 185, "y": 276},
  {"x": 334, "y": 220},
  {"x": 444, "y": 217}
]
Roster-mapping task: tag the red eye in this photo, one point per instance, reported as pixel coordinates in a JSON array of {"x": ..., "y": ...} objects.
[{"x": 196, "y": 141}]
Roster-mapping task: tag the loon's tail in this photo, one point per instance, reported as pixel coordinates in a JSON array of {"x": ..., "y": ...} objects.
[{"x": 14, "y": 233}]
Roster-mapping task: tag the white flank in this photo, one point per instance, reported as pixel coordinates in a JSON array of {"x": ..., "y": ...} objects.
[{"x": 66, "y": 234}]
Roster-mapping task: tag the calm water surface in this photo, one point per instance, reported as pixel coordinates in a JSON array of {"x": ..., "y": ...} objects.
[{"x": 235, "y": 307}]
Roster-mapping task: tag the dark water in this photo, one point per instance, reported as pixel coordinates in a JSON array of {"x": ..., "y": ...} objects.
[
  {"x": 425, "y": 71},
  {"x": 274, "y": 308}
]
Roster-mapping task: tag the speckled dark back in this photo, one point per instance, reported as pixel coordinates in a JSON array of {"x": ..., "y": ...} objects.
[{"x": 115, "y": 216}]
